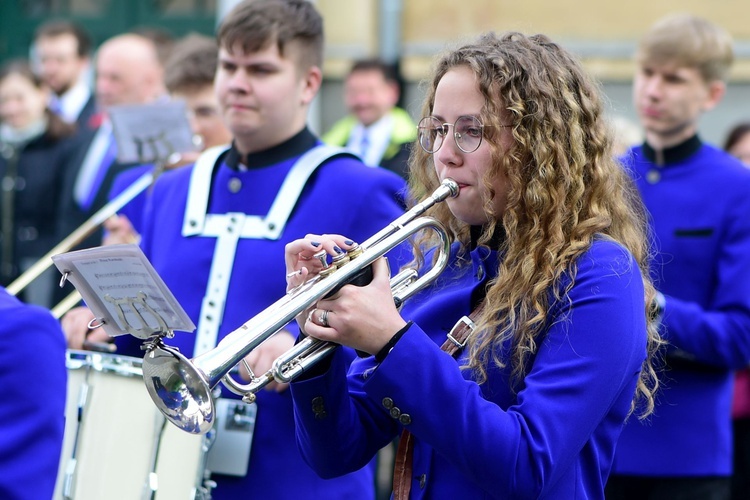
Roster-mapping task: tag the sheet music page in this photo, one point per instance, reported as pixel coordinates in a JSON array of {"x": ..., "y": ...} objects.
[{"x": 123, "y": 290}]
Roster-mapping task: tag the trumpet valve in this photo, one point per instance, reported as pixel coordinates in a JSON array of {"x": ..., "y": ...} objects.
[
  {"x": 355, "y": 251},
  {"x": 340, "y": 259},
  {"x": 327, "y": 271},
  {"x": 322, "y": 256}
]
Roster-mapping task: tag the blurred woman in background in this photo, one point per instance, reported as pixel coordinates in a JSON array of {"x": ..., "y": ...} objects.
[{"x": 34, "y": 148}]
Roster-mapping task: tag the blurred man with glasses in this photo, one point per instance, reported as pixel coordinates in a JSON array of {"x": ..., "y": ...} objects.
[{"x": 62, "y": 50}]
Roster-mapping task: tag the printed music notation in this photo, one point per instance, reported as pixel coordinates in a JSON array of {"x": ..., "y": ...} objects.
[{"x": 123, "y": 290}]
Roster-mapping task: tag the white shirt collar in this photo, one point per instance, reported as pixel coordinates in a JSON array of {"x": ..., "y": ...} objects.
[
  {"x": 378, "y": 135},
  {"x": 73, "y": 101}
]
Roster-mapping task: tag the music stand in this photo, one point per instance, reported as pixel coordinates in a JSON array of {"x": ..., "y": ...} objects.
[
  {"x": 151, "y": 133},
  {"x": 124, "y": 291}
]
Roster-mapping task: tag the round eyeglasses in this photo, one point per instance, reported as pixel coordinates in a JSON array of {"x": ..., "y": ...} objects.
[{"x": 467, "y": 132}]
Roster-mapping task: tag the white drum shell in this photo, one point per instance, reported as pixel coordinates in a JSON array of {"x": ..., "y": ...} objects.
[{"x": 115, "y": 443}]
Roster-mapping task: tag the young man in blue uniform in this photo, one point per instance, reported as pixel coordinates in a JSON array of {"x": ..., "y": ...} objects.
[
  {"x": 216, "y": 232},
  {"x": 698, "y": 203},
  {"x": 32, "y": 352}
]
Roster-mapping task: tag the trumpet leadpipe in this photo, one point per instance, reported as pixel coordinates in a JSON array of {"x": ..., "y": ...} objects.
[{"x": 309, "y": 351}]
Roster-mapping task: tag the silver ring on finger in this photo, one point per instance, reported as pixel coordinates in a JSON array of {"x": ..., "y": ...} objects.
[{"x": 324, "y": 318}]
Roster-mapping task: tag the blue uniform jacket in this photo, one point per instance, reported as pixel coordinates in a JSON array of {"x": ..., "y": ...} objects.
[
  {"x": 700, "y": 218},
  {"x": 342, "y": 196},
  {"x": 135, "y": 207},
  {"x": 553, "y": 438},
  {"x": 32, "y": 353}
]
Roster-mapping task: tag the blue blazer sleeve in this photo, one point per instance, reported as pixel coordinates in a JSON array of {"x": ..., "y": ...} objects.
[{"x": 32, "y": 352}]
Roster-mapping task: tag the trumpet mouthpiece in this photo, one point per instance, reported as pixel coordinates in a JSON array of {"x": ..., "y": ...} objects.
[{"x": 452, "y": 186}]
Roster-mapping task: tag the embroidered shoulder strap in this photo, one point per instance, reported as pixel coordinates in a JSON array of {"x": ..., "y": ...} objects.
[{"x": 295, "y": 181}]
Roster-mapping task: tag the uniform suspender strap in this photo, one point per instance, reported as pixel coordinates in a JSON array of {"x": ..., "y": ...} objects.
[
  {"x": 199, "y": 190},
  {"x": 230, "y": 227},
  {"x": 294, "y": 183},
  {"x": 272, "y": 225},
  {"x": 212, "y": 308},
  {"x": 402, "y": 467}
]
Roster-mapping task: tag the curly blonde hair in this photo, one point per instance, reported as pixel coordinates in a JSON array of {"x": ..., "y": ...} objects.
[{"x": 565, "y": 188}]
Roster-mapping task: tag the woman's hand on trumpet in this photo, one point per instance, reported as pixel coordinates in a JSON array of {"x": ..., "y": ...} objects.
[
  {"x": 364, "y": 318},
  {"x": 301, "y": 263},
  {"x": 262, "y": 357}
]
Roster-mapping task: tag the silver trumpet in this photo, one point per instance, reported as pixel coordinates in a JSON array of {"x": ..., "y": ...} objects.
[{"x": 182, "y": 388}]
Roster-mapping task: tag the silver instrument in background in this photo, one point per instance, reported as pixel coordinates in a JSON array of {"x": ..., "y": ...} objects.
[
  {"x": 181, "y": 388},
  {"x": 81, "y": 233}
]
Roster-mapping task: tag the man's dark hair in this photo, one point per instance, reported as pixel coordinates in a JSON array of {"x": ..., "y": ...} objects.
[
  {"x": 56, "y": 28},
  {"x": 192, "y": 63},
  {"x": 254, "y": 25},
  {"x": 388, "y": 71},
  {"x": 735, "y": 134}
]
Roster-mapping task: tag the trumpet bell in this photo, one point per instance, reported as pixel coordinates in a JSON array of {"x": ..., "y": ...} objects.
[{"x": 179, "y": 389}]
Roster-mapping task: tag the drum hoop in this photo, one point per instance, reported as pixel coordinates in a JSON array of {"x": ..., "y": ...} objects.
[{"x": 126, "y": 366}]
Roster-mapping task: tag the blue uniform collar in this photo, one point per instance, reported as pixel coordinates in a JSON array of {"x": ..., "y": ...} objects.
[
  {"x": 675, "y": 154},
  {"x": 291, "y": 148}
]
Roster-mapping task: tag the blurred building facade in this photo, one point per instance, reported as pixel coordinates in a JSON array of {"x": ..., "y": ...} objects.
[{"x": 411, "y": 32}]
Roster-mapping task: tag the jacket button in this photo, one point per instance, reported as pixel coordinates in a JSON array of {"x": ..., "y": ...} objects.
[
  {"x": 653, "y": 176},
  {"x": 405, "y": 419},
  {"x": 422, "y": 481},
  {"x": 318, "y": 408},
  {"x": 235, "y": 185},
  {"x": 387, "y": 403},
  {"x": 395, "y": 412}
]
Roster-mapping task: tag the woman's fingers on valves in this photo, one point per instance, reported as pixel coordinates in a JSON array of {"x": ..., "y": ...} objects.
[
  {"x": 332, "y": 244},
  {"x": 308, "y": 255}
]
